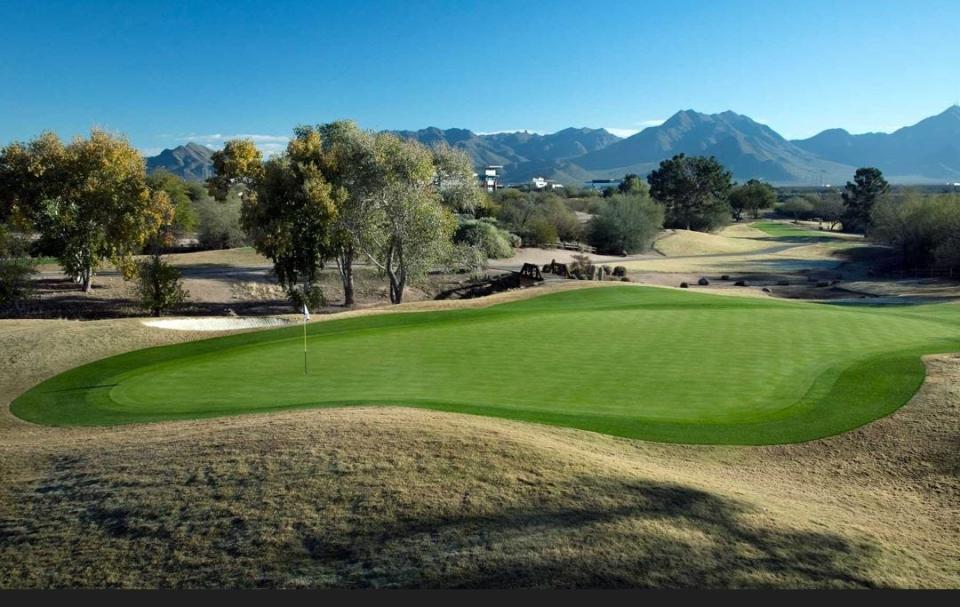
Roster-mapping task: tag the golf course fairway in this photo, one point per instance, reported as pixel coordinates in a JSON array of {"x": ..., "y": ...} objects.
[{"x": 638, "y": 362}]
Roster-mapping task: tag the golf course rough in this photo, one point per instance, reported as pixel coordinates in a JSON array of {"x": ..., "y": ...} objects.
[{"x": 637, "y": 362}]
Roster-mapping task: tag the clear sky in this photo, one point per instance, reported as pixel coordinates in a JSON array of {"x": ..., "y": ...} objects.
[{"x": 167, "y": 72}]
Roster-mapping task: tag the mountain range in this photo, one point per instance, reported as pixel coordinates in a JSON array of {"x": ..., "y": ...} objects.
[{"x": 927, "y": 152}]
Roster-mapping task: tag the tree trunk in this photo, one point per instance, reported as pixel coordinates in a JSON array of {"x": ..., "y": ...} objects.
[
  {"x": 345, "y": 267},
  {"x": 397, "y": 277},
  {"x": 87, "y": 280}
]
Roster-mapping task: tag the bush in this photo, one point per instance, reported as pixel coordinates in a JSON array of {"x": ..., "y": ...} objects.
[
  {"x": 494, "y": 242},
  {"x": 219, "y": 223},
  {"x": 16, "y": 269},
  {"x": 540, "y": 233},
  {"x": 159, "y": 286},
  {"x": 626, "y": 224},
  {"x": 310, "y": 294},
  {"x": 925, "y": 230},
  {"x": 619, "y": 271}
]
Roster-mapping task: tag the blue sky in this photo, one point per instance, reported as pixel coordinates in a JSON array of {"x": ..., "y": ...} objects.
[{"x": 167, "y": 72}]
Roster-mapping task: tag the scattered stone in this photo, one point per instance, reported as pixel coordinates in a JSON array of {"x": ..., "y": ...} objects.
[
  {"x": 725, "y": 277},
  {"x": 766, "y": 290},
  {"x": 741, "y": 283},
  {"x": 684, "y": 285},
  {"x": 703, "y": 282}
]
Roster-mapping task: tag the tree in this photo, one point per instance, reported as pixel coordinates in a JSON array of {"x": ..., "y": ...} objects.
[
  {"x": 626, "y": 224},
  {"x": 287, "y": 206},
  {"x": 632, "y": 184},
  {"x": 185, "y": 216},
  {"x": 349, "y": 163},
  {"x": 860, "y": 196},
  {"x": 693, "y": 191},
  {"x": 414, "y": 228},
  {"x": 829, "y": 209},
  {"x": 89, "y": 199},
  {"x": 752, "y": 197},
  {"x": 16, "y": 268},
  {"x": 454, "y": 181},
  {"x": 159, "y": 285},
  {"x": 797, "y": 207}
]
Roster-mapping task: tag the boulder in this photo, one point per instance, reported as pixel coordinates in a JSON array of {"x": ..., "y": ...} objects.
[
  {"x": 741, "y": 283},
  {"x": 703, "y": 281}
]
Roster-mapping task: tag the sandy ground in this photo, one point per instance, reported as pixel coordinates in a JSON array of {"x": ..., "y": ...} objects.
[{"x": 374, "y": 496}]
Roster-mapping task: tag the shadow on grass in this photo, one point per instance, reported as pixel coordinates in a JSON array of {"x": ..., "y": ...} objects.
[
  {"x": 645, "y": 534},
  {"x": 85, "y": 525}
]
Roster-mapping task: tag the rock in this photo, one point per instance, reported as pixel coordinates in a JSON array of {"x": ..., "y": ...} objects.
[
  {"x": 684, "y": 285},
  {"x": 625, "y": 279},
  {"x": 741, "y": 283},
  {"x": 725, "y": 277},
  {"x": 766, "y": 290},
  {"x": 703, "y": 282}
]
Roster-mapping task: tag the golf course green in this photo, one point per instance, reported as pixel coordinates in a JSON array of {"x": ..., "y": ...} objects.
[{"x": 638, "y": 362}]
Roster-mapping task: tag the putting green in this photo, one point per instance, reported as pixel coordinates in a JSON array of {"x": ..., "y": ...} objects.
[{"x": 639, "y": 362}]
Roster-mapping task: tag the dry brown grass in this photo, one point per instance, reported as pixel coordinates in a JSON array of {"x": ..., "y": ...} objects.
[
  {"x": 399, "y": 497},
  {"x": 734, "y": 239}
]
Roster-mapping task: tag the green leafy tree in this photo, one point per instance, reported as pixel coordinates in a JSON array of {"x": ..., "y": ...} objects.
[
  {"x": 16, "y": 268},
  {"x": 860, "y": 196},
  {"x": 751, "y": 197},
  {"x": 159, "y": 285},
  {"x": 287, "y": 206},
  {"x": 693, "y": 190},
  {"x": 185, "y": 216},
  {"x": 89, "y": 199},
  {"x": 632, "y": 184},
  {"x": 797, "y": 207},
  {"x": 414, "y": 228},
  {"x": 626, "y": 224}
]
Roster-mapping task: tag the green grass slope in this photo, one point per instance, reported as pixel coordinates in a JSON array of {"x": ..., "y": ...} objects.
[{"x": 636, "y": 362}]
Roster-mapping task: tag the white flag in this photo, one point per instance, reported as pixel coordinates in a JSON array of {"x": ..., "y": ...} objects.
[{"x": 306, "y": 313}]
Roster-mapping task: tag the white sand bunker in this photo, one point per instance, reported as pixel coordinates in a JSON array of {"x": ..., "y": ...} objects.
[{"x": 214, "y": 324}]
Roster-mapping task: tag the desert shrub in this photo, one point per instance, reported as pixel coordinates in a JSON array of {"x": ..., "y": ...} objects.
[
  {"x": 925, "y": 230},
  {"x": 218, "y": 223},
  {"x": 310, "y": 294},
  {"x": 619, "y": 271},
  {"x": 159, "y": 286},
  {"x": 626, "y": 224},
  {"x": 494, "y": 242},
  {"x": 797, "y": 207},
  {"x": 539, "y": 233},
  {"x": 16, "y": 269},
  {"x": 582, "y": 268}
]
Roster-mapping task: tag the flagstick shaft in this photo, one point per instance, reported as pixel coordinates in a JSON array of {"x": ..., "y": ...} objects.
[{"x": 304, "y": 346}]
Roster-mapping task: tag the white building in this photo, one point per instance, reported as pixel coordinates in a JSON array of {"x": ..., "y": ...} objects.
[
  {"x": 490, "y": 181},
  {"x": 540, "y": 183}
]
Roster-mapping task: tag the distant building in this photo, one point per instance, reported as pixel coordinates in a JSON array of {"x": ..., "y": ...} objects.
[
  {"x": 602, "y": 184},
  {"x": 490, "y": 180},
  {"x": 539, "y": 183}
]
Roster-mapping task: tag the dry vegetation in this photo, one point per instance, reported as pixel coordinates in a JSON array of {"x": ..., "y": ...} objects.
[{"x": 398, "y": 497}]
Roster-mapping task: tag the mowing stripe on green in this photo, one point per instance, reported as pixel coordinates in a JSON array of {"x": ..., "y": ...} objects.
[{"x": 637, "y": 362}]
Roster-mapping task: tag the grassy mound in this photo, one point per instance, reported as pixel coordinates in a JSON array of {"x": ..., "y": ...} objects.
[
  {"x": 637, "y": 362},
  {"x": 681, "y": 243}
]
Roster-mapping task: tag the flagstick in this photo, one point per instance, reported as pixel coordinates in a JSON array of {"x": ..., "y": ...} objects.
[{"x": 304, "y": 345}]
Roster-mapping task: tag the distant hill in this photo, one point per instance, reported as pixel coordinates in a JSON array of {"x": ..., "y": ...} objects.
[
  {"x": 192, "y": 162},
  {"x": 524, "y": 155},
  {"x": 927, "y": 150},
  {"x": 749, "y": 149}
]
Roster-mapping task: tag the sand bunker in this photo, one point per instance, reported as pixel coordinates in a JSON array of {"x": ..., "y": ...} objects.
[{"x": 214, "y": 324}]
